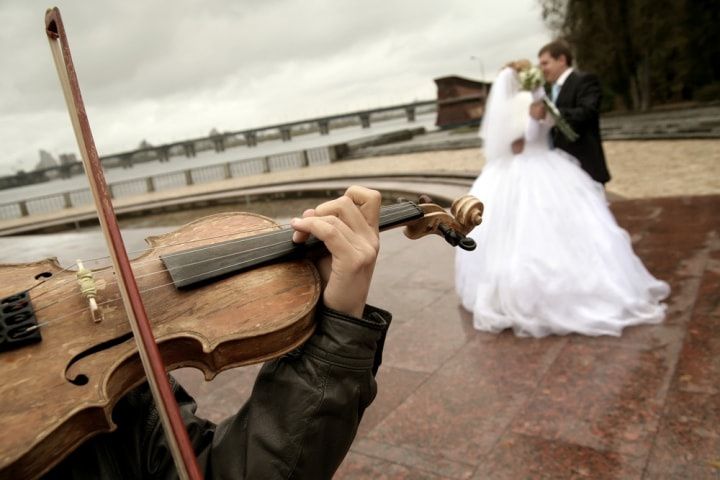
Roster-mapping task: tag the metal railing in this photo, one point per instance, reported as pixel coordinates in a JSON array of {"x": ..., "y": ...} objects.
[{"x": 138, "y": 186}]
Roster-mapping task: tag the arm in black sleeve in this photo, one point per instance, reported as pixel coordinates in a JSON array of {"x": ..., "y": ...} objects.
[
  {"x": 306, "y": 406},
  {"x": 299, "y": 422},
  {"x": 587, "y": 104}
]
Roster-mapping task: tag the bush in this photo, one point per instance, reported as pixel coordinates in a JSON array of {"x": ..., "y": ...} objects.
[
  {"x": 708, "y": 93},
  {"x": 608, "y": 99}
]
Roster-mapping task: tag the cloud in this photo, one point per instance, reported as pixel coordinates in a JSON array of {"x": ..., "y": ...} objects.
[{"x": 169, "y": 70}]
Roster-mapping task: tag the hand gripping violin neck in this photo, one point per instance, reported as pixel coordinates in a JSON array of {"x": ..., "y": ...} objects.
[{"x": 202, "y": 264}]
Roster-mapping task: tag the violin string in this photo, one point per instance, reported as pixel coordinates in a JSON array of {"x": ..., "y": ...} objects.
[
  {"x": 390, "y": 209},
  {"x": 395, "y": 215},
  {"x": 284, "y": 227},
  {"x": 249, "y": 230},
  {"x": 164, "y": 270},
  {"x": 117, "y": 299},
  {"x": 238, "y": 265},
  {"x": 393, "y": 209},
  {"x": 387, "y": 209},
  {"x": 97, "y": 259},
  {"x": 60, "y": 283},
  {"x": 48, "y": 279},
  {"x": 62, "y": 299},
  {"x": 56, "y": 283}
]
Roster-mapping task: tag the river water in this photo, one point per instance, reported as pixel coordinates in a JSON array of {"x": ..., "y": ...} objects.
[{"x": 210, "y": 157}]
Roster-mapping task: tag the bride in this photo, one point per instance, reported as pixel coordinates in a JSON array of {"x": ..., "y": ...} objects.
[{"x": 550, "y": 259}]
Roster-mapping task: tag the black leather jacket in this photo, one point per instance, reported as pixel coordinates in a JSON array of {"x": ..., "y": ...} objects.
[{"x": 299, "y": 422}]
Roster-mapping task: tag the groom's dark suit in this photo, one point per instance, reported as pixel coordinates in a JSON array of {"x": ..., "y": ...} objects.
[{"x": 579, "y": 103}]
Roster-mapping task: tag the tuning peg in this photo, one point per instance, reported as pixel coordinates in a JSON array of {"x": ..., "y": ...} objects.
[
  {"x": 467, "y": 243},
  {"x": 423, "y": 198},
  {"x": 456, "y": 238}
]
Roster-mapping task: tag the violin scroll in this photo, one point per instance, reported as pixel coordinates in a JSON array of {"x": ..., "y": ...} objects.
[
  {"x": 468, "y": 211},
  {"x": 465, "y": 214}
]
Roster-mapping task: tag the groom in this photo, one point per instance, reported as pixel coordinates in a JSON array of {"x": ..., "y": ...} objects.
[{"x": 577, "y": 96}]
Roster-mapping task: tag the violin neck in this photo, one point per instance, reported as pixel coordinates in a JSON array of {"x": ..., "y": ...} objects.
[
  {"x": 201, "y": 265},
  {"x": 396, "y": 215}
]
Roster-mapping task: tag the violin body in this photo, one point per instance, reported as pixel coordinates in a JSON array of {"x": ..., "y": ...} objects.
[{"x": 59, "y": 392}]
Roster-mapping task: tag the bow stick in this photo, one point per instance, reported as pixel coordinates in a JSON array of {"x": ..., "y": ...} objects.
[{"x": 174, "y": 428}]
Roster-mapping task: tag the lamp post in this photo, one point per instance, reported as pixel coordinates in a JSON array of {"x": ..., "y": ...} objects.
[{"x": 480, "y": 64}]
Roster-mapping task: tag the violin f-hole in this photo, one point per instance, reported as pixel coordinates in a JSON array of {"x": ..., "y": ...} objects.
[
  {"x": 43, "y": 275},
  {"x": 81, "y": 379}
]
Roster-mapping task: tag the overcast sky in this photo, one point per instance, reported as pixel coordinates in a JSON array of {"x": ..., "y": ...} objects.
[{"x": 168, "y": 70}]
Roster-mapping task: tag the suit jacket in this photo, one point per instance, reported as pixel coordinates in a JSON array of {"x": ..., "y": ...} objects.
[{"x": 579, "y": 103}]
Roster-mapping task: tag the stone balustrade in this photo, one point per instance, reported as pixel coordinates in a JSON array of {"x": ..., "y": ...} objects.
[{"x": 178, "y": 179}]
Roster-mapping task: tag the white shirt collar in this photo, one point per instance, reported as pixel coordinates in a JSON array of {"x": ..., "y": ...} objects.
[{"x": 561, "y": 79}]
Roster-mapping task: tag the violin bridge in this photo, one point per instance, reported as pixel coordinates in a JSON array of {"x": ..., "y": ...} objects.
[
  {"x": 18, "y": 325},
  {"x": 88, "y": 289}
]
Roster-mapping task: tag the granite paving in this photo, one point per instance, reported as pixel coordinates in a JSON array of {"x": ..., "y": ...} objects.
[{"x": 455, "y": 403}]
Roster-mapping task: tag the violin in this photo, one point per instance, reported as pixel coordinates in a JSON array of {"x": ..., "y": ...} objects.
[
  {"x": 223, "y": 291},
  {"x": 226, "y": 290}
]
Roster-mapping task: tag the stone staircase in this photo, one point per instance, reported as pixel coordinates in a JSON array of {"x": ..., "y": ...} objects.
[{"x": 692, "y": 122}]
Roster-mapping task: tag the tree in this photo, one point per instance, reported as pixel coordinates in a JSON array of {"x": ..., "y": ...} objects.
[
  {"x": 701, "y": 21},
  {"x": 646, "y": 51}
]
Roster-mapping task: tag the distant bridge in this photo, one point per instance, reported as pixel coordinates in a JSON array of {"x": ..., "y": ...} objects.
[{"x": 189, "y": 147}]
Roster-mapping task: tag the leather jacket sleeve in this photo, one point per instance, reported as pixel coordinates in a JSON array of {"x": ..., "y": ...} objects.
[{"x": 299, "y": 422}]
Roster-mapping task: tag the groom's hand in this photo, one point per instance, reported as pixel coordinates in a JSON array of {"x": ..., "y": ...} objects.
[
  {"x": 537, "y": 110},
  {"x": 518, "y": 146}
]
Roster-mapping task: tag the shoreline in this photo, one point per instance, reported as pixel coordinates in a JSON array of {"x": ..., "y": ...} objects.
[{"x": 639, "y": 168}]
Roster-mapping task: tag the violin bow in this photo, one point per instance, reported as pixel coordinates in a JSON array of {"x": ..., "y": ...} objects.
[{"x": 175, "y": 432}]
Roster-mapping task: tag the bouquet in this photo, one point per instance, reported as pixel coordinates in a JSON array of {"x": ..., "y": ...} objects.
[{"x": 531, "y": 79}]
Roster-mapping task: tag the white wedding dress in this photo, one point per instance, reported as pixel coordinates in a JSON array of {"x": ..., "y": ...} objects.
[{"x": 550, "y": 258}]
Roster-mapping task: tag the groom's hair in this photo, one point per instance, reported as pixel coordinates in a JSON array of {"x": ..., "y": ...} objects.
[{"x": 557, "y": 48}]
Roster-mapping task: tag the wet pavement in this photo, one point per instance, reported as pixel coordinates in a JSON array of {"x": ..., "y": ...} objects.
[{"x": 454, "y": 403}]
